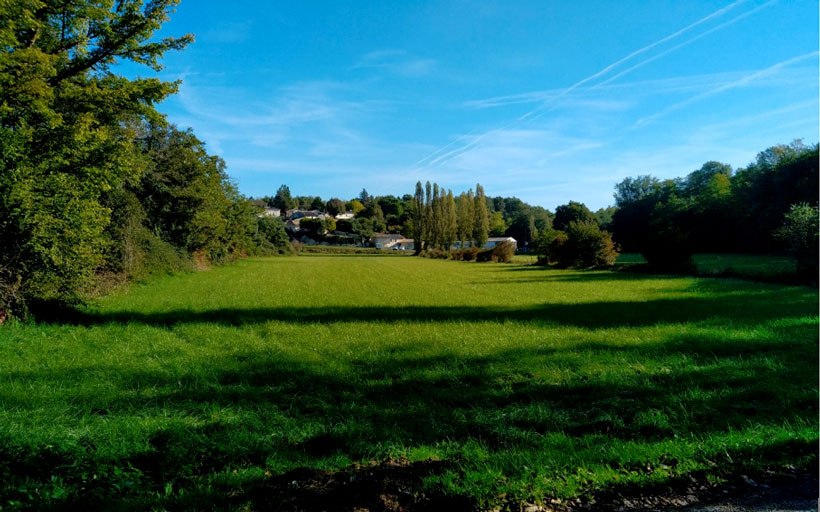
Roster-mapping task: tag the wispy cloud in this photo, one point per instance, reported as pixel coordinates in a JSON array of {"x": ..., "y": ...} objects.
[
  {"x": 397, "y": 62},
  {"x": 746, "y": 80},
  {"x": 443, "y": 153},
  {"x": 228, "y": 33},
  {"x": 635, "y": 89}
]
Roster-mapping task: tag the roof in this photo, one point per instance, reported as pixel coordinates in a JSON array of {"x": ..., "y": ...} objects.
[
  {"x": 393, "y": 236},
  {"x": 501, "y": 239}
]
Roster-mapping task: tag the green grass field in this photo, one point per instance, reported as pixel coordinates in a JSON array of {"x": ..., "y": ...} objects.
[{"x": 512, "y": 383}]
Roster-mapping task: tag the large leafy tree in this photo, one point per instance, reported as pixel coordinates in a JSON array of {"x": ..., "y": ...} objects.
[
  {"x": 571, "y": 212},
  {"x": 64, "y": 136}
]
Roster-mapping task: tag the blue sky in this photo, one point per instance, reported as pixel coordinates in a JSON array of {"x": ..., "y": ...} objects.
[{"x": 544, "y": 100}]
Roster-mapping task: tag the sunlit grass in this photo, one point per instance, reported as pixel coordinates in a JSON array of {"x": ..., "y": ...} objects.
[{"x": 529, "y": 383}]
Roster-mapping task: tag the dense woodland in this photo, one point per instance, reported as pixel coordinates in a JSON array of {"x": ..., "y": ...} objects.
[{"x": 97, "y": 188}]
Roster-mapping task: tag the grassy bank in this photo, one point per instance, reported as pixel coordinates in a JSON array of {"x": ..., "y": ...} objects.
[{"x": 517, "y": 382}]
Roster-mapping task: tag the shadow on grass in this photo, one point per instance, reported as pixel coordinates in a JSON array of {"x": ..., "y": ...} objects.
[
  {"x": 691, "y": 387},
  {"x": 749, "y": 307},
  {"x": 685, "y": 389}
]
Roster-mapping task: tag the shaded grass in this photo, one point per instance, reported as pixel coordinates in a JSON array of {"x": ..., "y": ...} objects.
[
  {"x": 201, "y": 391},
  {"x": 765, "y": 267}
]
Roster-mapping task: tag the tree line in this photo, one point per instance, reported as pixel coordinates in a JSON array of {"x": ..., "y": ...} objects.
[
  {"x": 717, "y": 209},
  {"x": 440, "y": 220},
  {"x": 95, "y": 186},
  {"x": 505, "y": 216}
]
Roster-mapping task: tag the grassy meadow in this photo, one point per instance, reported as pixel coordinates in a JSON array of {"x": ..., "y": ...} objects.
[{"x": 497, "y": 384}]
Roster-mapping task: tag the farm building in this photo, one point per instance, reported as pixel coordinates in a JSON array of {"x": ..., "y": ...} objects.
[
  {"x": 491, "y": 242},
  {"x": 402, "y": 244},
  {"x": 381, "y": 240}
]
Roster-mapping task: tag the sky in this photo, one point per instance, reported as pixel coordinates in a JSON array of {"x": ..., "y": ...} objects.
[{"x": 547, "y": 101}]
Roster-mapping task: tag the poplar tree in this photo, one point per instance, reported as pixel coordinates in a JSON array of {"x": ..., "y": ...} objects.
[
  {"x": 466, "y": 207},
  {"x": 481, "y": 226},
  {"x": 418, "y": 216},
  {"x": 451, "y": 220},
  {"x": 435, "y": 225},
  {"x": 428, "y": 215}
]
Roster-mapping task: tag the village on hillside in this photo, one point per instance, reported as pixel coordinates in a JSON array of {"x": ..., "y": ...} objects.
[{"x": 310, "y": 235}]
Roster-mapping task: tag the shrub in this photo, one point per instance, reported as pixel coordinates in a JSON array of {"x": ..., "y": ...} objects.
[
  {"x": 467, "y": 254},
  {"x": 504, "y": 252},
  {"x": 800, "y": 234},
  {"x": 271, "y": 236},
  {"x": 583, "y": 245},
  {"x": 312, "y": 225},
  {"x": 435, "y": 253},
  {"x": 587, "y": 246},
  {"x": 484, "y": 255},
  {"x": 11, "y": 297},
  {"x": 549, "y": 247}
]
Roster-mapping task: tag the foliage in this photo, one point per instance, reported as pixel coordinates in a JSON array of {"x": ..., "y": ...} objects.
[
  {"x": 799, "y": 232},
  {"x": 549, "y": 247},
  {"x": 439, "y": 220},
  {"x": 283, "y": 200},
  {"x": 65, "y": 139},
  {"x": 93, "y": 183},
  {"x": 727, "y": 211},
  {"x": 582, "y": 245},
  {"x": 465, "y": 212},
  {"x": 497, "y": 224},
  {"x": 345, "y": 225},
  {"x": 312, "y": 225},
  {"x": 481, "y": 222},
  {"x": 503, "y": 252},
  {"x": 271, "y": 235},
  {"x": 355, "y": 206},
  {"x": 571, "y": 212},
  {"x": 335, "y": 206},
  {"x": 668, "y": 247},
  {"x": 523, "y": 229},
  {"x": 603, "y": 216},
  {"x": 466, "y": 254}
]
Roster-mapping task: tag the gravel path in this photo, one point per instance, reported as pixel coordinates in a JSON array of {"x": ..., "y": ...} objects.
[{"x": 799, "y": 494}]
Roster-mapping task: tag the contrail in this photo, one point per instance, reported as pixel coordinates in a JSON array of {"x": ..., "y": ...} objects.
[
  {"x": 447, "y": 155},
  {"x": 646, "y": 48},
  {"x": 442, "y": 148},
  {"x": 681, "y": 45},
  {"x": 737, "y": 83},
  {"x": 674, "y": 48}
]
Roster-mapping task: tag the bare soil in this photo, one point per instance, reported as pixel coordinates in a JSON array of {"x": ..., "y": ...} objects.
[{"x": 395, "y": 485}]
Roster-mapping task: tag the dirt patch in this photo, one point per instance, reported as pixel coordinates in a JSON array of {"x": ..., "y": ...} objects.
[
  {"x": 789, "y": 490},
  {"x": 394, "y": 485}
]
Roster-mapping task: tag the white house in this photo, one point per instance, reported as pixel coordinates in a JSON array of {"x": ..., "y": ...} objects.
[
  {"x": 381, "y": 240},
  {"x": 495, "y": 240},
  {"x": 403, "y": 244},
  {"x": 271, "y": 212},
  {"x": 490, "y": 243},
  {"x": 301, "y": 214},
  {"x": 345, "y": 216}
]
